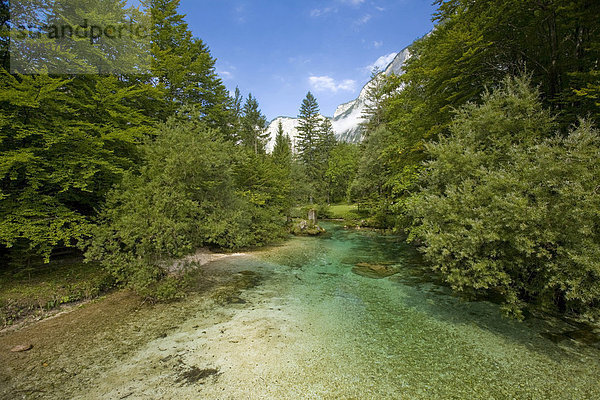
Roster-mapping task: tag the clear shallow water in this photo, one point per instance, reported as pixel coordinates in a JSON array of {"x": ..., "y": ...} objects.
[
  {"x": 406, "y": 337},
  {"x": 307, "y": 327}
]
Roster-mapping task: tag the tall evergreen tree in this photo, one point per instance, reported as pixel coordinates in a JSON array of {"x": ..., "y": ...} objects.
[
  {"x": 253, "y": 126},
  {"x": 282, "y": 151},
  {"x": 308, "y": 133},
  {"x": 185, "y": 68},
  {"x": 326, "y": 141},
  {"x": 375, "y": 94}
]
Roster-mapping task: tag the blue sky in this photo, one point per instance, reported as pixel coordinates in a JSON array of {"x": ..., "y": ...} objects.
[{"x": 280, "y": 49}]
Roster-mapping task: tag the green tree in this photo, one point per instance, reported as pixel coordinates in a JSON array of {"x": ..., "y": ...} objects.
[
  {"x": 375, "y": 95},
  {"x": 316, "y": 139},
  {"x": 341, "y": 170},
  {"x": 282, "y": 150},
  {"x": 65, "y": 140},
  {"x": 253, "y": 126},
  {"x": 309, "y": 122},
  {"x": 282, "y": 158},
  {"x": 195, "y": 189},
  {"x": 185, "y": 68},
  {"x": 508, "y": 206}
]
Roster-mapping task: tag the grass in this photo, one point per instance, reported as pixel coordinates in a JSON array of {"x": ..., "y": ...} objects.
[
  {"x": 33, "y": 292},
  {"x": 350, "y": 213},
  {"x": 344, "y": 211}
]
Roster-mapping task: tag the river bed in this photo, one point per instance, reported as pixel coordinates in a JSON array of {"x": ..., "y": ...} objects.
[{"x": 295, "y": 322}]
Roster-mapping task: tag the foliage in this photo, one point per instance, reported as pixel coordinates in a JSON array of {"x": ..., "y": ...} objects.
[
  {"x": 316, "y": 140},
  {"x": 253, "y": 126},
  {"x": 342, "y": 165},
  {"x": 282, "y": 150},
  {"x": 308, "y": 135},
  {"x": 473, "y": 46},
  {"x": 63, "y": 143},
  {"x": 283, "y": 163},
  {"x": 507, "y": 205},
  {"x": 185, "y": 68},
  {"x": 47, "y": 286},
  {"x": 195, "y": 189}
]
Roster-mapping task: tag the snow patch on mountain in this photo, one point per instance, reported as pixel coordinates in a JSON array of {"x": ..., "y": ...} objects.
[
  {"x": 290, "y": 128},
  {"x": 348, "y": 117}
]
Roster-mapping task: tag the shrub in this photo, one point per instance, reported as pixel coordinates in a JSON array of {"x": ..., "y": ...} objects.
[{"x": 508, "y": 205}]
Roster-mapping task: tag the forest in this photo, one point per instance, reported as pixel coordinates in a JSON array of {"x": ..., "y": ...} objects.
[{"x": 484, "y": 153}]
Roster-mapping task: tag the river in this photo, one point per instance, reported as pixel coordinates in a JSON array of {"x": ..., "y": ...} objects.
[{"x": 294, "y": 321}]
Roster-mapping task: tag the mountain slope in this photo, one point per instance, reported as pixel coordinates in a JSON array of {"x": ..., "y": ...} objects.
[
  {"x": 289, "y": 126},
  {"x": 348, "y": 116}
]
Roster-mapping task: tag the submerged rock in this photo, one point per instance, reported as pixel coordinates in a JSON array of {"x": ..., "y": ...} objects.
[
  {"x": 375, "y": 271},
  {"x": 230, "y": 292},
  {"x": 194, "y": 375},
  {"x": 306, "y": 228},
  {"x": 21, "y": 348}
]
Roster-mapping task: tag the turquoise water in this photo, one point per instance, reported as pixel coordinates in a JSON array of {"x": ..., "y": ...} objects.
[
  {"x": 294, "y": 322},
  {"x": 408, "y": 337}
]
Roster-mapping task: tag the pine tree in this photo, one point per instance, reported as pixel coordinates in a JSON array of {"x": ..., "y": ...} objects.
[
  {"x": 326, "y": 141},
  {"x": 375, "y": 93},
  {"x": 308, "y": 133},
  {"x": 253, "y": 125},
  {"x": 185, "y": 68},
  {"x": 282, "y": 151}
]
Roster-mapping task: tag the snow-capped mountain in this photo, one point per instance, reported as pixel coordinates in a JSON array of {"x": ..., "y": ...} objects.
[
  {"x": 348, "y": 116},
  {"x": 290, "y": 128}
]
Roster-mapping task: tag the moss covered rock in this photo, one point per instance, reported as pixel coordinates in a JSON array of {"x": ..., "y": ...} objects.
[{"x": 306, "y": 228}]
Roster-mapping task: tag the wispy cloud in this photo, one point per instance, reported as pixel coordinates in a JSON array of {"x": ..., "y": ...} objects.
[
  {"x": 352, "y": 2},
  {"x": 380, "y": 63},
  {"x": 363, "y": 20},
  {"x": 299, "y": 60},
  {"x": 328, "y": 84},
  {"x": 240, "y": 13},
  {"x": 377, "y": 44},
  {"x": 319, "y": 12},
  {"x": 225, "y": 75}
]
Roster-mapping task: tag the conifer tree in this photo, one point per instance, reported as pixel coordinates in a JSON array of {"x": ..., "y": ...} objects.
[
  {"x": 375, "y": 93},
  {"x": 326, "y": 141},
  {"x": 308, "y": 138},
  {"x": 308, "y": 133},
  {"x": 282, "y": 151},
  {"x": 254, "y": 125},
  {"x": 185, "y": 68}
]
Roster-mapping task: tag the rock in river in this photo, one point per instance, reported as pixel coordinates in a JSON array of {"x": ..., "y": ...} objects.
[
  {"x": 21, "y": 348},
  {"x": 375, "y": 271}
]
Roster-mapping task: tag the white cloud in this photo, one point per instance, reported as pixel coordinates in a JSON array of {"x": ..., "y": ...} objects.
[
  {"x": 225, "y": 75},
  {"x": 328, "y": 84},
  {"x": 352, "y": 2},
  {"x": 363, "y": 20},
  {"x": 240, "y": 13},
  {"x": 377, "y": 44},
  {"x": 318, "y": 12},
  {"x": 299, "y": 60},
  {"x": 380, "y": 63}
]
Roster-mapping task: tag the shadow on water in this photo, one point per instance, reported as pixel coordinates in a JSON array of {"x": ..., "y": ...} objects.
[{"x": 427, "y": 293}]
